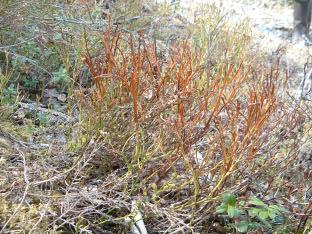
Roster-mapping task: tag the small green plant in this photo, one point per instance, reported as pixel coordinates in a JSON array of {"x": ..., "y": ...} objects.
[
  {"x": 252, "y": 214},
  {"x": 9, "y": 95},
  {"x": 229, "y": 206},
  {"x": 60, "y": 78},
  {"x": 42, "y": 119},
  {"x": 31, "y": 84}
]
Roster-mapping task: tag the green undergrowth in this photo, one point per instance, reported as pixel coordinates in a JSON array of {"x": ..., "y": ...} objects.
[{"x": 253, "y": 214}]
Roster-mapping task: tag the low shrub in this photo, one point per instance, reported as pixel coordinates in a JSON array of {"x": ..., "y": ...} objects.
[{"x": 182, "y": 129}]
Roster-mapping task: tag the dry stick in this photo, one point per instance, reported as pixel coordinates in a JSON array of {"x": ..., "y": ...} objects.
[
  {"x": 24, "y": 194},
  {"x": 305, "y": 217}
]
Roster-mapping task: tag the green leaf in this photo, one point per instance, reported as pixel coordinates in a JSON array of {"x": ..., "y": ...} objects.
[
  {"x": 233, "y": 211},
  {"x": 256, "y": 201},
  {"x": 221, "y": 209},
  {"x": 253, "y": 212},
  {"x": 266, "y": 223},
  {"x": 229, "y": 199},
  {"x": 242, "y": 226},
  {"x": 273, "y": 212},
  {"x": 263, "y": 214},
  {"x": 279, "y": 208},
  {"x": 278, "y": 219},
  {"x": 242, "y": 203},
  {"x": 254, "y": 225},
  {"x": 272, "y": 215},
  {"x": 237, "y": 212}
]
